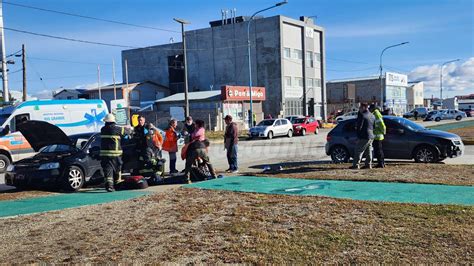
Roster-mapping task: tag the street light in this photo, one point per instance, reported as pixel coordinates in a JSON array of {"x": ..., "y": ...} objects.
[
  {"x": 186, "y": 100},
  {"x": 441, "y": 80},
  {"x": 250, "y": 59},
  {"x": 381, "y": 70}
]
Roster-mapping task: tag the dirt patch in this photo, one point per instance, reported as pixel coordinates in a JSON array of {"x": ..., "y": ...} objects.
[
  {"x": 200, "y": 226},
  {"x": 394, "y": 172},
  {"x": 16, "y": 194}
]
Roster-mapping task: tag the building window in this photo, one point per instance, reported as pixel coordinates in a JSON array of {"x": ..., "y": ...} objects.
[
  {"x": 317, "y": 56},
  {"x": 134, "y": 96},
  {"x": 317, "y": 83},
  {"x": 287, "y": 52},
  {"x": 287, "y": 81},
  {"x": 309, "y": 83},
  {"x": 309, "y": 59},
  {"x": 297, "y": 54},
  {"x": 298, "y": 82}
]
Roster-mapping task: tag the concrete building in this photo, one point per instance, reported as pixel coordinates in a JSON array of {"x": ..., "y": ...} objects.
[
  {"x": 346, "y": 94},
  {"x": 139, "y": 94},
  {"x": 288, "y": 59},
  {"x": 415, "y": 95}
]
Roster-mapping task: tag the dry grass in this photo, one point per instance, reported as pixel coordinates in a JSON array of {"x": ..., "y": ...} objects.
[
  {"x": 199, "y": 226},
  {"x": 394, "y": 172},
  {"x": 466, "y": 133},
  {"x": 15, "y": 194}
]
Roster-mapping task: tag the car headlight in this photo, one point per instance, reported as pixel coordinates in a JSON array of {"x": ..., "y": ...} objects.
[
  {"x": 47, "y": 166},
  {"x": 10, "y": 168}
]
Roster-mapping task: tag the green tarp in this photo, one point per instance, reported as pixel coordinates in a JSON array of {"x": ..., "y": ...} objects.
[
  {"x": 455, "y": 125},
  {"x": 63, "y": 201},
  {"x": 356, "y": 190}
]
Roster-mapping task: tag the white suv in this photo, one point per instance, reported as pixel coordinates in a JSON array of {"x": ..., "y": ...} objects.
[
  {"x": 270, "y": 128},
  {"x": 447, "y": 114},
  {"x": 346, "y": 116}
]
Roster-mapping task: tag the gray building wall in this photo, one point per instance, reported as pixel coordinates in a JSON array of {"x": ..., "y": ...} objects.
[{"x": 218, "y": 56}]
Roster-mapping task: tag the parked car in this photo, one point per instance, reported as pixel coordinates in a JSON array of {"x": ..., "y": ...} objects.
[
  {"x": 430, "y": 114},
  {"x": 447, "y": 114},
  {"x": 304, "y": 125},
  {"x": 422, "y": 112},
  {"x": 346, "y": 116},
  {"x": 404, "y": 140},
  {"x": 62, "y": 162},
  {"x": 270, "y": 128},
  {"x": 293, "y": 117},
  {"x": 469, "y": 112}
]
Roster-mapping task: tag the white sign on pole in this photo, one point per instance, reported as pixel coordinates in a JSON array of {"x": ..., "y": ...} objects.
[
  {"x": 395, "y": 79},
  {"x": 117, "y": 104},
  {"x": 177, "y": 113}
]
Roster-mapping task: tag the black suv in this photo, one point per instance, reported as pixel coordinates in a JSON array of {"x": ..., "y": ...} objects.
[{"x": 404, "y": 140}]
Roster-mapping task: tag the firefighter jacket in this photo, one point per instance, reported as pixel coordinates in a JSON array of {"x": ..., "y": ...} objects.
[
  {"x": 379, "y": 127},
  {"x": 111, "y": 135}
]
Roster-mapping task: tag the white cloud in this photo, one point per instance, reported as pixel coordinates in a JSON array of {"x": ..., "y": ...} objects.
[
  {"x": 43, "y": 94},
  {"x": 458, "y": 78}
]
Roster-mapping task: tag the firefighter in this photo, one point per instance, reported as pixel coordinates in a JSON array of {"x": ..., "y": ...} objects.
[
  {"x": 111, "y": 151},
  {"x": 379, "y": 132},
  {"x": 152, "y": 165}
]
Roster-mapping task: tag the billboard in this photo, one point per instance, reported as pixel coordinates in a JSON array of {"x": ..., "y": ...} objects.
[
  {"x": 395, "y": 79},
  {"x": 242, "y": 93}
]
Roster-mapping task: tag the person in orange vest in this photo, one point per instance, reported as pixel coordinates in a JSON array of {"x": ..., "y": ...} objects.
[{"x": 171, "y": 144}]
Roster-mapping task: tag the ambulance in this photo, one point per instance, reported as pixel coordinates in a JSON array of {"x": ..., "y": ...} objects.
[{"x": 72, "y": 116}]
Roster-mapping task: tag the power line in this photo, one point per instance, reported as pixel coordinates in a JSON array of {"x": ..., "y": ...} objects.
[
  {"x": 88, "y": 17},
  {"x": 67, "y": 61},
  {"x": 347, "y": 61},
  {"x": 69, "y": 39},
  {"x": 12, "y": 54}
]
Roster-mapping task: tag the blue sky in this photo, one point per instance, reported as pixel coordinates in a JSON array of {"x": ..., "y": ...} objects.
[{"x": 357, "y": 30}]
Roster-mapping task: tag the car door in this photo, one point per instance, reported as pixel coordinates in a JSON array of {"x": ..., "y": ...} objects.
[
  {"x": 92, "y": 149},
  {"x": 278, "y": 127},
  {"x": 396, "y": 144}
]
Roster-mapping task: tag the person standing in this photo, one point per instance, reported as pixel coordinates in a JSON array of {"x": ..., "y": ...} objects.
[
  {"x": 379, "y": 132},
  {"x": 111, "y": 151},
  {"x": 231, "y": 140},
  {"x": 365, "y": 137},
  {"x": 254, "y": 119},
  {"x": 139, "y": 134},
  {"x": 171, "y": 144},
  {"x": 415, "y": 114}
]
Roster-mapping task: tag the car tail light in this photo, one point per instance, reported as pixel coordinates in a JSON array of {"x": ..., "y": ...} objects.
[{"x": 328, "y": 138}]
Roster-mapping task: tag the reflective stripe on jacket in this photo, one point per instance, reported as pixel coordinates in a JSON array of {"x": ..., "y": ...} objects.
[
  {"x": 379, "y": 127},
  {"x": 111, "y": 135}
]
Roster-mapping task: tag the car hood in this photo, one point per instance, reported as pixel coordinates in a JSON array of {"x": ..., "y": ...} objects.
[
  {"x": 41, "y": 158},
  {"x": 299, "y": 124},
  {"x": 41, "y": 134},
  {"x": 439, "y": 134}
]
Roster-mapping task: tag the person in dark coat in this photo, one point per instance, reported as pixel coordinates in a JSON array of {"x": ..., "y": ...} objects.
[
  {"x": 231, "y": 140},
  {"x": 365, "y": 137}
]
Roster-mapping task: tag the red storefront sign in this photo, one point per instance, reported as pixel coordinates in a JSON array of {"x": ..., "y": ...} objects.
[{"x": 242, "y": 93}]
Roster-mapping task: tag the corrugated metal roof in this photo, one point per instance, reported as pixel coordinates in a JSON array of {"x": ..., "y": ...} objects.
[
  {"x": 354, "y": 79},
  {"x": 192, "y": 96}
]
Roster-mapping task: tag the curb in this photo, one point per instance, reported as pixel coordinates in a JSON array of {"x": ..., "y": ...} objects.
[{"x": 468, "y": 142}]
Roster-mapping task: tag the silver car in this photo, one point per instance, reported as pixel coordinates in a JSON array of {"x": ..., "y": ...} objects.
[
  {"x": 447, "y": 114},
  {"x": 270, "y": 128}
]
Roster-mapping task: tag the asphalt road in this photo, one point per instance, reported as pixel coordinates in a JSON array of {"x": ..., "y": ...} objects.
[{"x": 254, "y": 155}]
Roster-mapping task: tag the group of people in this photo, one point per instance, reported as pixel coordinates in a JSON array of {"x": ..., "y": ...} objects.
[
  {"x": 371, "y": 130},
  {"x": 150, "y": 144}
]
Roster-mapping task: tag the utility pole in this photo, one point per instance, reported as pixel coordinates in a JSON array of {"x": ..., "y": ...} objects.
[
  {"x": 381, "y": 71},
  {"x": 126, "y": 82},
  {"x": 23, "y": 61},
  {"x": 113, "y": 77},
  {"x": 6, "y": 94},
  {"x": 98, "y": 81},
  {"x": 186, "y": 99}
]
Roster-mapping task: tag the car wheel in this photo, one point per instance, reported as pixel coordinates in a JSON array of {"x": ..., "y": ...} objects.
[
  {"x": 270, "y": 135},
  {"x": 290, "y": 133},
  {"x": 303, "y": 132},
  {"x": 437, "y": 119},
  {"x": 340, "y": 154},
  {"x": 4, "y": 163},
  {"x": 458, "y": 118},
  {"x": 425, "y": 154},
  {"x": 73, "y": 179}
]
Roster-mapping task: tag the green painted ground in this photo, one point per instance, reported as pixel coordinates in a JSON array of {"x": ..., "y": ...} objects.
[
  {"x": 454, "y": 125},
  {"x": 373, "y": 191},
  {"x": 64, "y": 201}
]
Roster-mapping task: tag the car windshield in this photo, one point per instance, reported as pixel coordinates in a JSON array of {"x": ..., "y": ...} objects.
[
  {"x": 3, "y": 118},
  {"x": 266, "y": 123},
  {"x": 298, "y": 121},
  {"x": 410, "y": 125},
  {"x": 56, "y": 148}
]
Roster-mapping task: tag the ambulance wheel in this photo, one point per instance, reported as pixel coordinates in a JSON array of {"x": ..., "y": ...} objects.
[{"x": 4, "y": 163}]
